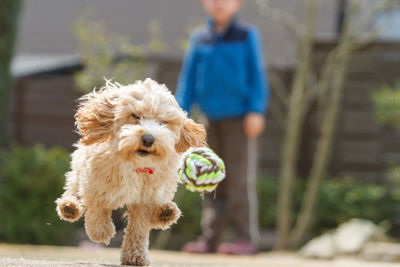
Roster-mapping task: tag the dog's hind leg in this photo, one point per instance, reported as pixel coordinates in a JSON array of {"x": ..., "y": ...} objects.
[
  {"x": 136, "y": 240},
  {"x": 69, "y": 206}
]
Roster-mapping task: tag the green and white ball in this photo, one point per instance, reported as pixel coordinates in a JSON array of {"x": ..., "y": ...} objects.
[{"x": 201, "y": 170}]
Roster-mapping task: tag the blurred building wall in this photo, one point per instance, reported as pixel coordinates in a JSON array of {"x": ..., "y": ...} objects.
[{"x": 47, "y": 24}]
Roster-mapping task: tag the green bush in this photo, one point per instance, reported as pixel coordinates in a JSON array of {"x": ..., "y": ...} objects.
[
  {"x": 31, "y": 178},
  {"x": 387, "y": 105},
  {"x": 394, "y": 179},
  {"x": 387, "y": 109},
  {"x": 340, "y": 200},
  {"x": 191, "y": 205}
]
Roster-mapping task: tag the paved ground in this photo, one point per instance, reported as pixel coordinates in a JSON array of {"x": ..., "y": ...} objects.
[{"x": 44, "y": 256}]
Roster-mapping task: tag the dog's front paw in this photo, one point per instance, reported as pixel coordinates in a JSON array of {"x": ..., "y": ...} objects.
[
  {"x": 69, "y": 209},
  {"x": 100, "y": 233},
  {"x": 166, "y": 215},
  {"x": 134, "y": 258}
]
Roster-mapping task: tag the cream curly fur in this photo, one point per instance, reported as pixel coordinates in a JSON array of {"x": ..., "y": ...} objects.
[{"x": 105, "y": 168}]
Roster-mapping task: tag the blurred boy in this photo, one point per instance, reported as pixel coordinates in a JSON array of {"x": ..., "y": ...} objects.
[{"x": 223, "y": 72}]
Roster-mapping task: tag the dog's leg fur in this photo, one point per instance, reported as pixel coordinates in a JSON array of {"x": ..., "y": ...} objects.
[
  {"x": 99, "y": 225},
  {"x": 165, "y": 215},
  {"x": 136, "y": 240},
  {"x": 69, "y": 206}
]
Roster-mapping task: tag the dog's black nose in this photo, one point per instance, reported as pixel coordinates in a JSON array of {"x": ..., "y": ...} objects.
[{"x": 147, "y": 140}]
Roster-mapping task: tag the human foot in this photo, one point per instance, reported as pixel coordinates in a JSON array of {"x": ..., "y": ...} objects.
[
  {"x": 199, "y": 247},
  {"x": 240, "y": 247}
]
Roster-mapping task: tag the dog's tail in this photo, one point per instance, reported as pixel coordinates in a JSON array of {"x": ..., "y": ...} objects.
[{"x": 69, "y": 205}]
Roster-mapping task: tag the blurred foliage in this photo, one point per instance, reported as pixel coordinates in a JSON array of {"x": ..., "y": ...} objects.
[
  {"x": 387, "y": 108},
  {"x": 109, "y": 56},
  {"x": 339, "y": 201},
  {"x": 387, "y": 105},
  {"x": 183, "y": 42},
  {"x": 191, "y": 205},
  {"x": 344, "y": 199},
  {"x": 31, "y": 180},
  {"x": 394, "y": 179}
]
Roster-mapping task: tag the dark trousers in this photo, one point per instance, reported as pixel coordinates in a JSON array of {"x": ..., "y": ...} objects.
[{"x": 228, "y": 140}]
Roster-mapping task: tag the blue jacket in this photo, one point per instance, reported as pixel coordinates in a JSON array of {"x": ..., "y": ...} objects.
[{"x": 224, "y": 73}]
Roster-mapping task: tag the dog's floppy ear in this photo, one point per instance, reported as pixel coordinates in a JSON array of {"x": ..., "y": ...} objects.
[
  {"x": 192, "y": 135},
  {"x": 94, "y": 118}
]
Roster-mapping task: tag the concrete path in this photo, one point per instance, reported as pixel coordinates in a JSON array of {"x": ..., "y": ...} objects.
[{"x": 45, "y": 256}]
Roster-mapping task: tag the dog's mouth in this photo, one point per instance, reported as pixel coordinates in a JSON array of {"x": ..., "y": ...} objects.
[{"x": 143, "y": 153}]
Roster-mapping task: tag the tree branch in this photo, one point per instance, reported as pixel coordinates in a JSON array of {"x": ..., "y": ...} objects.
[
  {"x": 284, "y": 18},
  {"x": 279, "y": 89}
]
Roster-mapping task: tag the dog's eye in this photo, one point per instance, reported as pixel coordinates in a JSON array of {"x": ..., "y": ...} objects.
[{"x": 136, "y": 117}]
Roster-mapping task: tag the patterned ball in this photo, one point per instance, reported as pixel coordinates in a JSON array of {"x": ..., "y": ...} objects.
[{"x": 201, "y": 170}]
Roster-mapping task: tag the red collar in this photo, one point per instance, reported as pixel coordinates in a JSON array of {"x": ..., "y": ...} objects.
[{"x": 145, "y": 170}]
